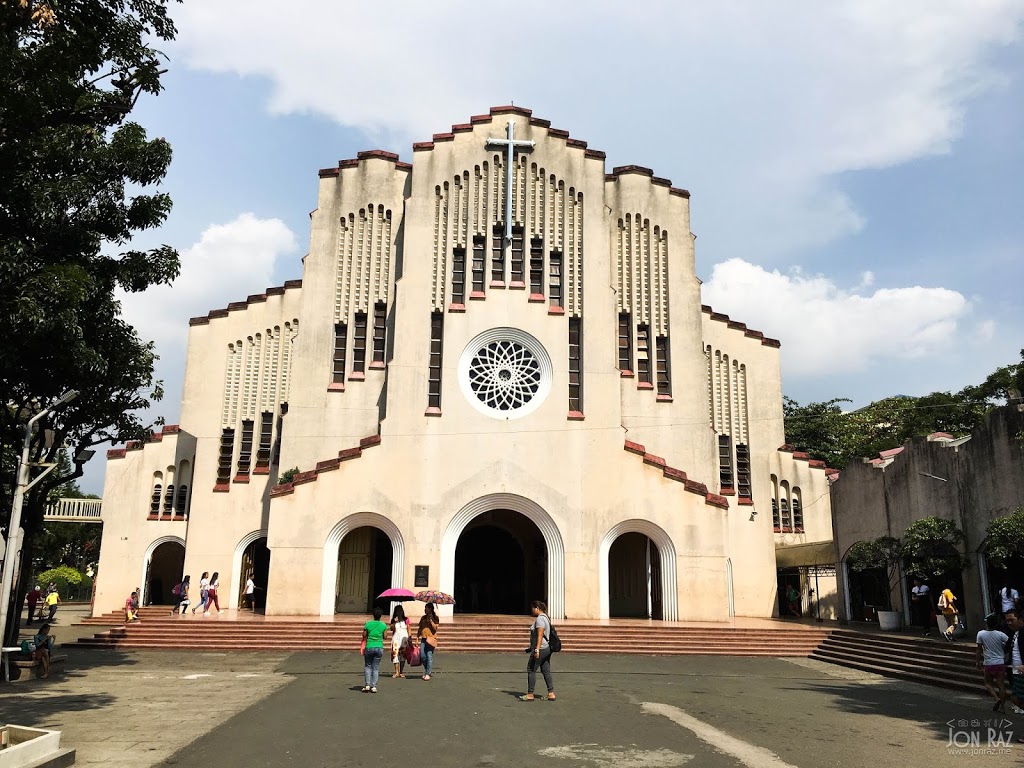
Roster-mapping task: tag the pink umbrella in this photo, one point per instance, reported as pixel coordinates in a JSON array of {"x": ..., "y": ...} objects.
[{"x": 397, "y": 594}]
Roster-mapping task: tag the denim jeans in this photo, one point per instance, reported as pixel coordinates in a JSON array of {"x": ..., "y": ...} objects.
[
  {"x": 427, "y": 652},
  {"x": 371, "y": 666},
  {"x": 544, "y": 662}
]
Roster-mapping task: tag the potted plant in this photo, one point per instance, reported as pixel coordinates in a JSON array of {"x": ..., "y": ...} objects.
[{"x": 886, "y": 554}]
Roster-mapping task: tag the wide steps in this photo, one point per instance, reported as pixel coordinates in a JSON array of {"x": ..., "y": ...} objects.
[
  {"x": 921, "y": 661},
  {"x": 159, "y": 631}
]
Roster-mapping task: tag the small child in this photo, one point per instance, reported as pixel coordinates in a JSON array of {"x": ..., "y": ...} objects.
[{"x": 43, "y": 642}]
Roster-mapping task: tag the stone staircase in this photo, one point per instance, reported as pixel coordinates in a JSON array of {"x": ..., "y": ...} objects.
[
  {"x": 922, "y": 660},
  {"x": 466, "y": 634}
]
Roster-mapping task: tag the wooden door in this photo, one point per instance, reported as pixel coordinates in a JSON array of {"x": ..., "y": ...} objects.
[{"x": 355, "y": 555}]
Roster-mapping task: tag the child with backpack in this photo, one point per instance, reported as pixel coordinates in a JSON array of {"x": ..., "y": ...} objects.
[{"x": 181, "y": 600}]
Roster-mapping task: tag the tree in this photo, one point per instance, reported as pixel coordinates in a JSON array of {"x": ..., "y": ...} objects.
[
  {"x": 884, "y": 553},
  {"x": 932, "y": 548},
  {"x": 75, "y": 181},
  {"x": 1004, "y": 539},
  {"x": 825, "y": 432}
]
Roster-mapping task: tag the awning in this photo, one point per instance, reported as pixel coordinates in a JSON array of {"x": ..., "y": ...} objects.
[{"x": 814, "y": 553}]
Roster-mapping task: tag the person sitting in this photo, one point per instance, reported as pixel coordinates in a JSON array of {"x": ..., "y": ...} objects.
[
  {"x": 131, "y": 608},
  {"x": 43, "y": 642}
]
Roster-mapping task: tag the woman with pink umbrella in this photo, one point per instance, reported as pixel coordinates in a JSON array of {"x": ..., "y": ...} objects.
[{"x": 399, "y": 627}]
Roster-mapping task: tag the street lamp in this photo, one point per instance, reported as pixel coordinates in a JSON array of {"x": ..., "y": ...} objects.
[{"x": 13, "y": 550}]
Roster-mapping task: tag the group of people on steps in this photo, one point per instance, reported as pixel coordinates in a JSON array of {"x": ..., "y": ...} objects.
[
  {"x": 543, "y": 642},
  {"x": 208, "y": 586}
]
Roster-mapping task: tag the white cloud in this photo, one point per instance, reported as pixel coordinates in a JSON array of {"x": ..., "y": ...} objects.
[
  {"x": 826, "y": 329},
  {"x": 229, "y": 262},
  {"x": 756, "y": 107}
]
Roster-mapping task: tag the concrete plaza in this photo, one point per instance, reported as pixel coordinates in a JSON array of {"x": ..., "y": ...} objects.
[{"x": 195, "y": 709}]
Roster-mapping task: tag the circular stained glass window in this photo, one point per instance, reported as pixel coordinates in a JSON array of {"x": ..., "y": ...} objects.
[{"x": 505, "y": 373}]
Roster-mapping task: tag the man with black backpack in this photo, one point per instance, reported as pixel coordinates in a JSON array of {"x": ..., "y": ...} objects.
[{"x": 543, "y": 642}]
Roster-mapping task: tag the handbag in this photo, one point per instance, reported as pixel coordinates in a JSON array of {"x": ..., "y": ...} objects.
[{"x": 412, "y": 655}]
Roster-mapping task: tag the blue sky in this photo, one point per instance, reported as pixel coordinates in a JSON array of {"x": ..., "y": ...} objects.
[{"x": 855, "y": 167}]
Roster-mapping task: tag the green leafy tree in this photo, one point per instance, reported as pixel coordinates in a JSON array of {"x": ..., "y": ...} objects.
[
  {"x": 886, "y": 554},
  {"x": 77, "y": 181},
  {"x": 932, "y": 547},
  {"x": 1004, "y": 540}
]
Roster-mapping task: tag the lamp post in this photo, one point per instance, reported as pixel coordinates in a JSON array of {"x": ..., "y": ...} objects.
[{"x": 13, "y": 550}]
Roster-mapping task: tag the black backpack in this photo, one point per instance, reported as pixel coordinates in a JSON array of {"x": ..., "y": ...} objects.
[{"x": 554, "y": 641}]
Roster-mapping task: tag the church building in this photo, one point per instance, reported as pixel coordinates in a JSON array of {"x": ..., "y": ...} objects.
[{"x": 495, "y": 378}]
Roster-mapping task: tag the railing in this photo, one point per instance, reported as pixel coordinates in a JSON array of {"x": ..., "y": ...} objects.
[{"x": 74, "y": 511}]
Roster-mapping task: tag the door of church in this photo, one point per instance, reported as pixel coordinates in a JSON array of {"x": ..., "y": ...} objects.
[{"x": 355, "y": 565}]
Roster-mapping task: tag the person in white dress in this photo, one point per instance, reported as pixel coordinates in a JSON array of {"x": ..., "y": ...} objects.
[{"x": 399, "y": 640}]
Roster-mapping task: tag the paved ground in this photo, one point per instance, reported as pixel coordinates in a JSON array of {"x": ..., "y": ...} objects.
[{"x": 239, "y": 710}]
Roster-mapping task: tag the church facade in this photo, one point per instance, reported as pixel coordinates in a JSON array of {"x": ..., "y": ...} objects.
[{"x": 495, "y": 378}]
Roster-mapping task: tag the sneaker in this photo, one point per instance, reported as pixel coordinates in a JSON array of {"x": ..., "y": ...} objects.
[
  {"x": 206, "y": 613},
  {"x": 373, "y": 690},
  {"x": 366, "y": 689}
]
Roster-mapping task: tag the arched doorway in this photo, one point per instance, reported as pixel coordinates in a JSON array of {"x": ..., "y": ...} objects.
[
  {"x": 365, "y": 560},
  {"x": 164, "y": 566},
  {"x": 638, "y": 553},
  {"x": 254, "y": 564},
  {"x": 634, "y": 578},
  {"x": 332, "y": 559},
  {"x": 500, "y": 564}
]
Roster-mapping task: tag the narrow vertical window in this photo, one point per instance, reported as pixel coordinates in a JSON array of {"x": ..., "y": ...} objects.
[
  {"x": 338, "y": 363},
  {"x": 181, "y": 501},
  {"x": 784, "y": 514},
  {"x": 169, "y": 500},
  {"x": 154, "y": 501},
  {"x": 775, "y": 514},
  {"x": 725, "y": 475},
  {"x": 498, "y": 256},
  {"x": 536, "y": 268},
  {"x": 743, "y": 471},
  {"x": 575, "y": 366},
  {"x": 664, "y": 378},
  {"x": 379, "y": 333},
  {"x": 359, "y": 346},
  {"x": 517, "y": 278},
  {"x": 275, "y": 454},
  {"x": 227, "y": 448},
  {"x": 643, "y": 356},
  {"x": 555, "y": 279},
  {"x": 798, "y": 510},
  {"x": 266, "y": 434},
  {"x": 625, "y": 343},
  {"x": 434, "y": 370},
  {"x": 459, "y": 276},
  {"x": 245, "y": 450},
  {"x": 479, "y": 265}
]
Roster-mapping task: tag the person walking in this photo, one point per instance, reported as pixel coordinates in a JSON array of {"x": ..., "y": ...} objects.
[
  {"x": 182, "y": 597},
  {"x": 948, "y": 618},
  {"x": 921, "y": 606},
  {"x": 373, "y": 650},
  {"x": 427, "y": 633},
  {"x": 33, "y": 598},
  {"x": 1009, "y": 599},
  {"x": 540, "y": 652},
  {"x": 211, "y": 594},
  {"x": 250, "y": 594},
  {"x": 399, "y": 639},
  {"x": 992, "y": 660},
  {"x": 204, "y": 591},
  {"x": 1015, "y": 658},
  {"x": 51, "y": 600}
]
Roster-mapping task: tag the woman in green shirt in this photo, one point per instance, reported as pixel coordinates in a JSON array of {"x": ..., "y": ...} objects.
[{"x": 373, "y": 650}]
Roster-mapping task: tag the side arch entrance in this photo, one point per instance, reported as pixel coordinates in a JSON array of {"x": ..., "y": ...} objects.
[
  {"x": 637, "y": 571},
  {"x": 252, "y": 560},
  {"x": 364, "y": 555},
  {"x": 162, "y": 570},
  {"x": 501, "y": 551}
]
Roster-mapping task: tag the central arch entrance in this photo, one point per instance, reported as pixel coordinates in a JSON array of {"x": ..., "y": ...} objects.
[
  {"x": 507, "y": 506},
  {"x": 500, "y": 564}
]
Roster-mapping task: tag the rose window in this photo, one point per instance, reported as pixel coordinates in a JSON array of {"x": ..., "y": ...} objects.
[{"x": 505, "y": 373}]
